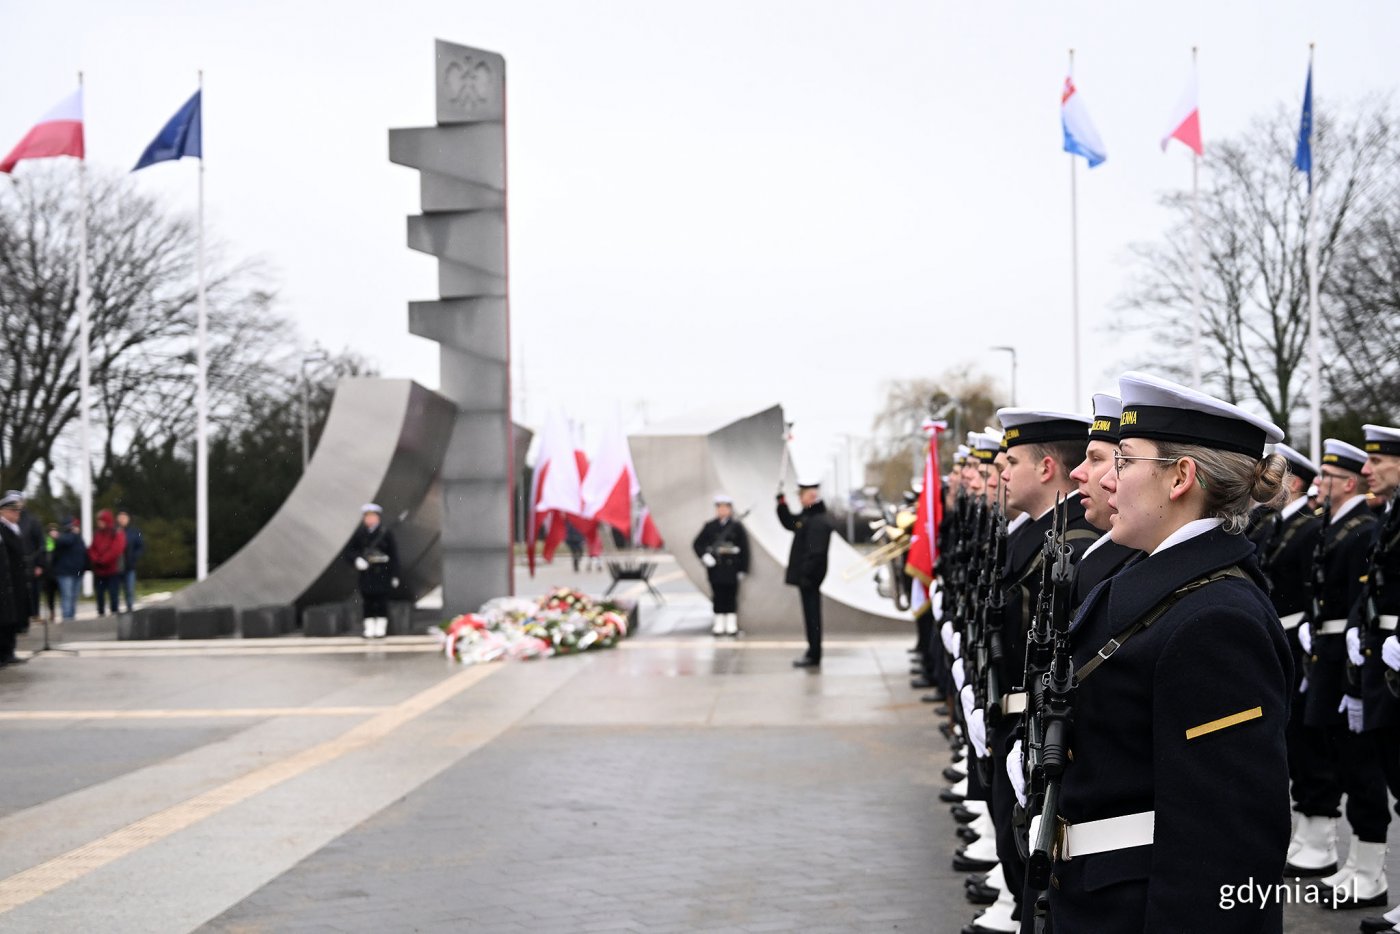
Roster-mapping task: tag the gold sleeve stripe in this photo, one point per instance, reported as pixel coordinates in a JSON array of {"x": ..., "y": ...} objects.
[{"x": 1253, "y": 713}]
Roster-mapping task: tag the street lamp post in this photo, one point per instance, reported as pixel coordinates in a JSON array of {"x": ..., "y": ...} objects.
[
  {"x": 317, "y": 357},
  {"x": 1012, "y": 351}
]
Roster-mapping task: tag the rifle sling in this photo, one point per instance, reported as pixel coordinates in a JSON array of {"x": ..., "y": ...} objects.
[{"x": 1118, "y": 641}]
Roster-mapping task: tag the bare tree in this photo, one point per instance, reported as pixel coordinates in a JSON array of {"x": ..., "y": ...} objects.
[
  {"x": 142, "y": 309},
  {"x": 964, "y": 396},
  {"x": 1253, "y": 214}
]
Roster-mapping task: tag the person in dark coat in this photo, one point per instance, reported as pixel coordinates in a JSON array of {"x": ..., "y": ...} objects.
[
  {"x": 375, "y": 556},
  {"x": 14, "y": 612},
  {"x": 1176, "y": 793},
  {"x": 31, "y": 534},
  {"x": 1286, "y": 557},
  {"x": 811, "y": 538},
  {"x": 723, "y": 547},
  {"x": 135, "y": 548},
  {"x": 69, "y": 561}
]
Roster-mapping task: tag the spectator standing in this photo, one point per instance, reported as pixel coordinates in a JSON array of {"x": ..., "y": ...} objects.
[
  {"x": 70, "y": 560},
  {"x": 48, "y": 581},
  {"x": 31, "y": 535},
  {"x": 107, "y": 553},
  {"x": 135, "y": 548},
  {"x": 14, "y": 610}
]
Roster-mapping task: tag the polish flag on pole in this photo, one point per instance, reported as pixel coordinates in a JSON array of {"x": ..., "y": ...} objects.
[
  {"x": 58, "y": 133},
  {"x": 611, "y": 482},
  {"x": 555, "y": 490},
  {"x": 922, "y": 559},
  {"x": 1185, "y": 124}
]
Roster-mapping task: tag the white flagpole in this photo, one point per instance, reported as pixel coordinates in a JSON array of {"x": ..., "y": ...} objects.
[
  {"x": 202, "y": 390},
  {"x": 1314, "y": 323},
  {"x": 1074, "y": 256},
  {"x": 1195, "y": 251},
  {"x": 84, "y": 365}
]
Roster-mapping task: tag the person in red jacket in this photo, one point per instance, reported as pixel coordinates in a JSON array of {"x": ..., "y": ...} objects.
[{"x": 105, "y": 554}]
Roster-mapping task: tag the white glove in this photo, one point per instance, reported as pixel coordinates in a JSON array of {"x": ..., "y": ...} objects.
[
  {"x": 1354, "y": 647},
  {"x": 743, "y": 574},
  {"x": 361, "y": 564},
  {"x": 976, "y": 724},
  {"x": 1303, "y": 688},
  {"x": 957, "y": 645},
  {"x": 1390, "y": 653},
  {"x": 1305, "y": 637},
  {"x": 1016, "y": 771},
  {"x": 394, "y": 583},
  {"x": 1351, "y": 706},
  {"x": 946, "y": 631},
  {"x": 708, "y": 560},
  {"x": 959, "y": 673}
]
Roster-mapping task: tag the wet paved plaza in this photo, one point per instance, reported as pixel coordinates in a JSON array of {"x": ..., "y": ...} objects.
[{"x": 673, "y": 784}]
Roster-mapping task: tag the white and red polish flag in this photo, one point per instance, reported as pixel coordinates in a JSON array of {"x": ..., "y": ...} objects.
[
  {"x": 555, "y": 490},
  {"x": 611, "y": 483},
  {"x": 58, "y": 133},
  {"x": 1185, "y": 124}
]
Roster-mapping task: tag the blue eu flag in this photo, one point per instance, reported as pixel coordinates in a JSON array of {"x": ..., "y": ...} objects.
[
  {"x": 179, "y": 138},
  {"x": 1302, "y": 159}
]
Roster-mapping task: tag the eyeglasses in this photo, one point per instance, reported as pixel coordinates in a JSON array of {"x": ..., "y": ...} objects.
[{"x": 1119, "y": 460}]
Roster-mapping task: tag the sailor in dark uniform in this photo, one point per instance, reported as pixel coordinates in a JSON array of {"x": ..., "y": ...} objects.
[
  {"x": 375, "y": 555},
  {"x": 1104, "y": 557},
  {"x": 723, "y": 547},
  {"x": 1332, "y": 702},
  {"x": 14, "y": 609},
  {"x": 1286, "y": 556},
  {"x": 807, "y": 560},
  {"x": 1382, "y": 472},
  {"x": 1177, "y": 779},
  {"x": 1041, "y": 449}
]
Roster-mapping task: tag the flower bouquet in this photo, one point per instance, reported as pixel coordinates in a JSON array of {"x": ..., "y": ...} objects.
[{"x": 562, "y": 622}]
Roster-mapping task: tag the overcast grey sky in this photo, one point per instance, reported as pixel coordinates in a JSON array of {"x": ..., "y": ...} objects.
[{"x": 718, "y": 203}]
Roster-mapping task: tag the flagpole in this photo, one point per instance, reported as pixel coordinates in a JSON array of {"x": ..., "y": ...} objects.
[
  {"x": 84, "y": 363},
  {"x": 1074, "y": 255},
  {"x": 1314, "y": 323},
  {"x": 201, "y": 391},
  {"x": 1195, "y": 255}
]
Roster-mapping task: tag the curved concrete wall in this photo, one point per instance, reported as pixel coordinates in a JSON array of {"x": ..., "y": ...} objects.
[{"x": 682, "y": 464}]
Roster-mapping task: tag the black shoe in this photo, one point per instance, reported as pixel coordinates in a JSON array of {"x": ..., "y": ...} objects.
[
  {"x": 954, "y": 775},
  {"x": 981, "y": 894},
  {"x": 920, "y": 683},
  {"x": 977, "y": 878},
  {"x": 949, "y": 796},
  {"x": 1376, "y": 925},
  {"x": 14, "y": 660},
  {"x": 806, "y": 662},
  {"x": 962, "y": 815},
  {"x": 967, "y": 835},
  {"x": 962, "y": 863}
]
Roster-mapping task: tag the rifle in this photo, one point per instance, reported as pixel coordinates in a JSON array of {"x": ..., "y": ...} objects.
[
  {"x": 992, "y": 609},
  {"x": 1054, "y": 714},
  {"x": 1319, "y": 580}
]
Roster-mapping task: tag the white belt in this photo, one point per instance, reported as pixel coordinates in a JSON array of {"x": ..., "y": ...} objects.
[
  {"x": 1388, "y": 623},
  {"x": 1102, "y": 836},
  {"x": 1292, "y": 620},
  {"x": 1013, "y": 703},
  {"x": 1330, "y": 627}
]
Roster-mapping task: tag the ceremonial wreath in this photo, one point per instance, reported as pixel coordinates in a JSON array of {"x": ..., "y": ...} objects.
[{"x": 562, "y": 622}]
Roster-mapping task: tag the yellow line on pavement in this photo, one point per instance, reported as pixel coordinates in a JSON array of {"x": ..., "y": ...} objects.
[
  {"x": 185, "y": 713},
  {"x": 24, "y": 887}
]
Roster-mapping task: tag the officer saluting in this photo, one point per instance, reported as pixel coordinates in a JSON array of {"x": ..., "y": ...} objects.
[
  {"x": 806, "y": 568},
  {"x": 723, "y": 547},
  {"x": 1177, "y": 781}
]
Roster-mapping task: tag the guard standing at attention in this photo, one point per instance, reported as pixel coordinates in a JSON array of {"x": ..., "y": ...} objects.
[
  {"x": 811, "y": 538},
  {"x": 375, "y": 555},
  {"x": 723, "y": 547},
  {"x": 1176, "y": 782}
]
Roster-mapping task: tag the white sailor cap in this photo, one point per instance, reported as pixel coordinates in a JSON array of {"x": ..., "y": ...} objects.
[
  {"x": 1107, "y": 410},
  {"x": 11, "y": 499},
  {"x": 1033, "y": 426},
  {"x": 371, "y": 507},
  {"x": 808, "y": 483},
  {"x": 1382, "y": 439},
  {"x": 724, "y": 499},
  {"x": 1300, "y": 465},
  {"x": 1160, "y": 410},
  {"x": 993, "y": 433},
  {"x": 961, "y": 454},
  {"x": 984, "y": 447},
  {"x": 1312, "y": 491},
  {"x": 1345, "y": 456}
]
